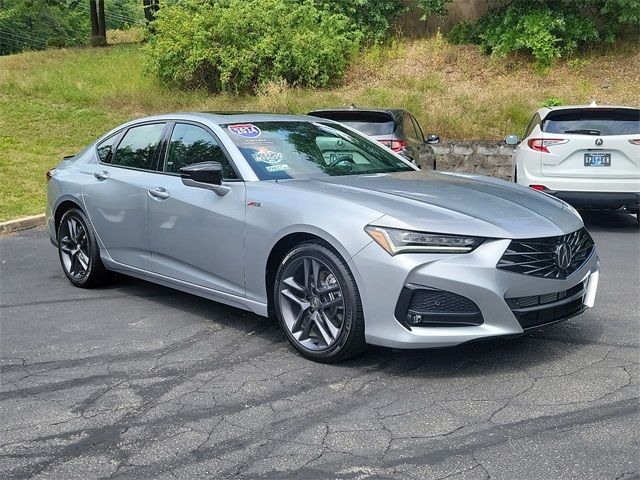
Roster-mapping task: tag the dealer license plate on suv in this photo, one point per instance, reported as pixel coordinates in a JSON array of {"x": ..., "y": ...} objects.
[{"x": 597, "y": 159}]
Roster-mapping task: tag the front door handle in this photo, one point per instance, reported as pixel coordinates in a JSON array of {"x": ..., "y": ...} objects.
[
  {"x": 159, "y": 193},
  {"x": 101, "y": 175}
]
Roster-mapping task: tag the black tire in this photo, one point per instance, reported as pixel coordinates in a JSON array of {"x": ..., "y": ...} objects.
[
  {"x": 349, "y": 341},
  {"x": 92, "y": 275}
]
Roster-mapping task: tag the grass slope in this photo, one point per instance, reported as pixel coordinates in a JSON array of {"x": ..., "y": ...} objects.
[{"x": 53, "y": 103}]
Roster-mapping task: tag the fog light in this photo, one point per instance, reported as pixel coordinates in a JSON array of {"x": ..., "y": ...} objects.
[{"x": 414, "y": 319}]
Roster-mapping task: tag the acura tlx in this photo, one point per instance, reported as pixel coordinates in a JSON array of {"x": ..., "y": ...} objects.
[{"x": 343, "y": 240}]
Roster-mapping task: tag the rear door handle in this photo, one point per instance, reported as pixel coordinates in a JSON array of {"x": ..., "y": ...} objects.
[
  {"x": 101, "y": 175},
  {"x": 159, "y": 193}
]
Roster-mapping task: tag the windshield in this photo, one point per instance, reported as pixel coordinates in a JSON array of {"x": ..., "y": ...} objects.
[
  {"x": 620, "y": 121},
  {"x": 279, "y": 150}
]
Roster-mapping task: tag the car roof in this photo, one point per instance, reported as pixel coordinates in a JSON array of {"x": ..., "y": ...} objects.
[
  {"x": 396, "y": 113},
  {"x": 544, "y": 111}
]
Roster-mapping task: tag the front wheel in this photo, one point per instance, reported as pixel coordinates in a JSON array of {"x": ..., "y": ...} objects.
[
  {"x": 79, "y": 252},
  {"x": 318, "y": 305}
]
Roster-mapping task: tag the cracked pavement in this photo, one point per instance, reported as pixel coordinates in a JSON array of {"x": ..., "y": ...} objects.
[{"x": 140, "y": 381}]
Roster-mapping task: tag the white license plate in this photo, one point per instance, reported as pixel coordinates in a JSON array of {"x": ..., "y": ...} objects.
[{"x": 597, "y": 159}]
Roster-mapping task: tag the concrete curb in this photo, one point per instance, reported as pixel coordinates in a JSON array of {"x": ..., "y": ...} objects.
[{"x": 21, "y": 224}]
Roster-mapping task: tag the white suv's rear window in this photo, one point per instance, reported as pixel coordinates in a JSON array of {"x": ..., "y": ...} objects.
[{"x": 606, "y": 121}]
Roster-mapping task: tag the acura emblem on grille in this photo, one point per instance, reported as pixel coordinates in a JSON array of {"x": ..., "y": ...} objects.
[
  {"x": 598, "y": 141},
  {"x": 563, "y": 255}
]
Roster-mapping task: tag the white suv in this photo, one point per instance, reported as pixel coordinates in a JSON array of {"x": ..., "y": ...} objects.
[{"x": 588, "y": 156}]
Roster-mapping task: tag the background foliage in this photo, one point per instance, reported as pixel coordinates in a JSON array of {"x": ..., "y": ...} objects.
[
  {"x": 37, "y": 24},
  {"x": 241, "y": 45},
  {"x": 372, "y": 17},
  {"x": 547, "y": 29}
]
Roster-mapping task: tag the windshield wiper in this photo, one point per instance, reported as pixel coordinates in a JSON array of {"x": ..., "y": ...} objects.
[{"x": 584, "y": 132}]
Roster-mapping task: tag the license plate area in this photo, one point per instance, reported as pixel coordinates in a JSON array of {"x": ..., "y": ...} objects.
[{"x": 597, "y": 159}]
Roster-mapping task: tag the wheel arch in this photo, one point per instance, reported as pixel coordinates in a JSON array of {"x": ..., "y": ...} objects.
[
  {"x": 284, "y": 244},
  {"x": 63, "y": 207}
]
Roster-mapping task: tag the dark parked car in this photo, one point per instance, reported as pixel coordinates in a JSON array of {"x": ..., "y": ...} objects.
[{"x": 395, "y": 128}]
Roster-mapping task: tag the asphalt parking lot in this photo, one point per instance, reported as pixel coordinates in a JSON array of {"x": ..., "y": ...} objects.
[{"x": 139, "y": 381}]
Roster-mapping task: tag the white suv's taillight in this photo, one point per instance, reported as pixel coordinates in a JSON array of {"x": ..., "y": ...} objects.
[
  {"x": 541, "y": 144},
  {"x": 635, "y": 141}
]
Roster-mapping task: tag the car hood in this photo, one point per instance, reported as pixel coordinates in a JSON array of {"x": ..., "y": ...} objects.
[{"x": 450, "y": 203}]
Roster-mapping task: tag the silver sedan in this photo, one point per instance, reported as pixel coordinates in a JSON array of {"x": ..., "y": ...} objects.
[{"x": 340, "y": 238}]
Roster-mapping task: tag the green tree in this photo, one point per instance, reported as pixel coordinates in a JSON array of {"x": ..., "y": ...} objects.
[{"x": 547, "y": 29}]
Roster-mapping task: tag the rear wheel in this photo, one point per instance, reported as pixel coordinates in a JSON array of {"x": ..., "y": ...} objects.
[
  {"x": 79, "y": 252},
  {"x": 318, "y": 305}
]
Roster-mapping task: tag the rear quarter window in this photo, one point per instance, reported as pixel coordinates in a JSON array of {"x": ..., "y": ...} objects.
[{"x": 613, "y": 121}]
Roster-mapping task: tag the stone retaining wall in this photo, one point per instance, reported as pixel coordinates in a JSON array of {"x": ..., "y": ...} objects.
[{"x": 485, "y": 157}]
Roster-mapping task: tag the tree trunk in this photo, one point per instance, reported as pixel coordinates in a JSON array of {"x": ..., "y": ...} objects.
[
  {"x": 102, "y": 26},
  {"x": 150, "y": 8},
  {"x": 93, "y": 9}
]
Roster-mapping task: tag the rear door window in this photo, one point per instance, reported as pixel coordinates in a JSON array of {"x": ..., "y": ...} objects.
[
  {"x": 419, "y": 132},
  {"x": 138, "y": 146},
  {"x": 408, "y": 130},
  {"x": 532, "y": 124},
  {"x": 601, "y": 122}
]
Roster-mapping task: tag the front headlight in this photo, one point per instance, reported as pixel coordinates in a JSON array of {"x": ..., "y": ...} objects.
[{"x": 395, "y": 241}]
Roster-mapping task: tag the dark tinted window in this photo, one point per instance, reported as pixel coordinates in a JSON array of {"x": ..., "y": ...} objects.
[
  {"x": 138, "y": 146},
  {"x": 613, "y": 121},
  {"x": 369, "y": 123},
  {"x": 532, "y": 124},
  {"x": 105, "y": 149},
  {"x": 407, "y": 130},
  {"x": 276, "y": 150},
  {"x": 416, "y": 125},
  {"x": 192, "y": 144}
]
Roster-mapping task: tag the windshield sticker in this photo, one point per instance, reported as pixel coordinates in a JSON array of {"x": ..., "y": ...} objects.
[
  {"x": 265, "y": 155},
  {"x": 246, "y": 130},
  {"x": 277, "y": 168}
]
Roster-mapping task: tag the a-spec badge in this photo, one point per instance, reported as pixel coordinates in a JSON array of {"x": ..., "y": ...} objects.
[{"x": 246, "y": 130}]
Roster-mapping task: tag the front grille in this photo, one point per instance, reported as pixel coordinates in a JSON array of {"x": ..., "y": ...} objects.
[
  {"x": 539, "y": 256},
  {"x": 428, "y": 307},
  {"x": 536, "y": 310}
]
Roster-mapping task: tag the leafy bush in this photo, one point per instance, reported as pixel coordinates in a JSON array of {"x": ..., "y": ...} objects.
[
  {"x": 552, "y": 102},
  {"x": 545, "y": 28},
  {"x": 373, "y": 17},
  {"x": 239, "y": 45}
]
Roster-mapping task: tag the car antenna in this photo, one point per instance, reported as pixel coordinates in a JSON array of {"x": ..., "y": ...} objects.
[
  {"x": 353, "y": 106},
  {"x": 593, "y": 103}
]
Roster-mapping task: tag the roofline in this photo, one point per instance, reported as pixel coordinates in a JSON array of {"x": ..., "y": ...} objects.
[{"x": 391, "y": 111}]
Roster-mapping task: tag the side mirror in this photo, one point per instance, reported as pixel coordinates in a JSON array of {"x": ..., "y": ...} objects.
[
  {"x": 512, "y": 139},
  {"x": 432, "y": 139},
  {"x": 204, "y": 175}
]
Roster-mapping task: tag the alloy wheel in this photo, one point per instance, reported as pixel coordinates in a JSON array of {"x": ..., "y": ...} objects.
[
  {"x": 312, "y": 303},
  {"x": 74, "y": 247}
]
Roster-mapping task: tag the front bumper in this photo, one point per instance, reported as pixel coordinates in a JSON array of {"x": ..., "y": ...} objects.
[{"x": 381, "y": 279}]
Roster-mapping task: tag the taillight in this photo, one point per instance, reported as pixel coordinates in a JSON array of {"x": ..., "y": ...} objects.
[
  {"x": 538, "y": 187},
  {"x": 541, "y": 144},
  {"x": 635, "y": 141},
  {"x": 50, "y": 173},
  {"x": 395, "y": 145}
]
